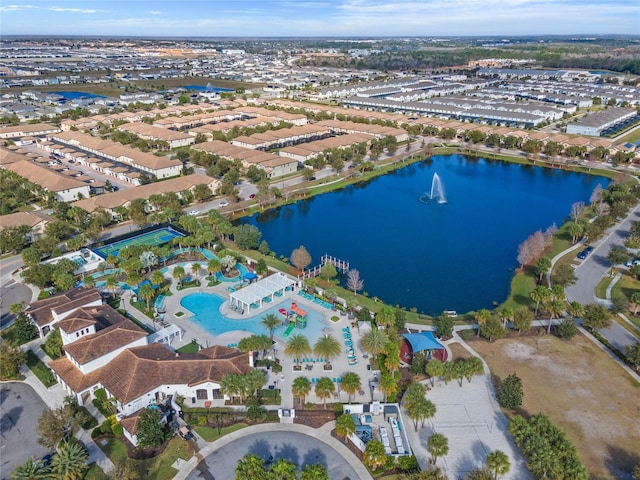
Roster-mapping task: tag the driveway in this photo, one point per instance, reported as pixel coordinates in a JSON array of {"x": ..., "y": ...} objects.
[
  {"x": 299, "y": 448},
  {"x": 21, "y": 407}
]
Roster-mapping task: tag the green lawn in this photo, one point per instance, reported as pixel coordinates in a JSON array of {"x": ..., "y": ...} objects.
[
  {"x": 521, "y": 287},
  {"x": 209, "y": 434},
  {"x": 630, "y": 137},
  {"x": 95, "y": 473},
  {"x": 158, "y": 468},
  {"x": 192, "y": 347},
  {"x": 601, "y": 289},
  {"x": 40, "y": 370}
]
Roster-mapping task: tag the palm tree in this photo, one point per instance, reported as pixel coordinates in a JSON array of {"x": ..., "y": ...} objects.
[
  {"x": 195, "y": 268},
  {"x": 635, "y": 299},
  {"x": 386, "y": 317},
  {"x": 374, "y": 455},
  {"x": 540, "y": 294},
  {"x": 146, "y": 292},
  {"x": 250, "y": 466},
  {"x": 481, "y": 316},
  {"x": 31, "y": 469},
  {"x": 282, "y": 469},
  {"x": 134, "y": 279},
  {"x": 498, "y": 462},
  {"x": 270, "y": 321},
  {"x": 179, "y": 274},
  {"x": 112, "y": 284},
  {"x": 70, "y": 461},
  {"x": 297, "y": 346},
  {"x": 300, "y": 388},
  {"x": 314, "y": 471},
  {"x": 392, "y": 361},
  {"x": 157, "y": 278},
  {"x": 345, "y": 426},
  {"x": 351, "y": 383},
  {"x": 89, "y": 281},
  {"x": 438, "y": 446},
  {"x": 506, "y": 314},
  {"x": 324, "y": 389},
  {"x": 327, "y": 347},
  {"x": 213, "y": 266},
  {"x": 388, "y": 385},
  {"x": 374, "y": 341},
  {"x": 434, "y": 369}
]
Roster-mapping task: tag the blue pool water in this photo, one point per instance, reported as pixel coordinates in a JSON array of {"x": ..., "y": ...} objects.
[{"x": 206, "y": 310}]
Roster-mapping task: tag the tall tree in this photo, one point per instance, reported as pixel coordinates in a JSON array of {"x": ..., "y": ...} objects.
[
  {"x": 300, "y": 258},
  {"x": 250, "y": 467},
  {"x": 297, "y": 346},
  {"x": 345, "y": 426},
  {"x": 542, "y": 266},
  {"x": 324, "y": 389},
  {"x": 178, "y": 274},
  {"x": 438, "y": 446},
  {"x": 523, "y": 318},
  {"x": 374, "y": 341},
  {"x": 11, "y": 359},
  {"x": 270, "y": 321},
  {"x": 314, "y": 471},
  {"x": 386, "y": 317},
  {"x": 146, "y": 292},
  {"x": 150, "y": 430},
  {"x": 498, "y": 462},
  {"x": 482, "y": 316},
  {"x": 511, "y": 392},
  {"x": 374, "y": 455},
  {"x": 300, "y": 388},
  {"x": 351, "y": 383},
  {"x": 70, "y": 461},
  {"x": 327, "y": 347},
  {"x": 31, "y": 469},
  {"x": 354, "y": 282},
  {"x": 434, "y": 369},
  {"x": 540, "y": 294},
  {"x": 596, "y": 316}
]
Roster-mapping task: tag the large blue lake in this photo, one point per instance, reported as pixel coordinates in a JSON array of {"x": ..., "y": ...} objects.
[{"x": 455, "y": 256}]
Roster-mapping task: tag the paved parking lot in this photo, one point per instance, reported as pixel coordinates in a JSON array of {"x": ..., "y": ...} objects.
[
  {"x": 21, "y": 407},
  {"x": 299, "y": 448}
]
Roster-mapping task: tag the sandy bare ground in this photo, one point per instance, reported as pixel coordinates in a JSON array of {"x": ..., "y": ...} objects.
[{"x": 582, "y": 390}]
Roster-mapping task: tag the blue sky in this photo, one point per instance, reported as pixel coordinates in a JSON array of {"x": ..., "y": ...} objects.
[{"x": 322, "y": 18}]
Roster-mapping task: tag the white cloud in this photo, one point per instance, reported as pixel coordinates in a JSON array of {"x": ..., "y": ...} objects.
[
  {"x": 155, "y": 12},
  {"x": 75, "y": 10},
  {"x": 16, "y": 8}
]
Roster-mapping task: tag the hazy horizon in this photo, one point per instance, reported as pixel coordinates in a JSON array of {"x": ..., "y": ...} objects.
[{"x": 319, "y": 18}]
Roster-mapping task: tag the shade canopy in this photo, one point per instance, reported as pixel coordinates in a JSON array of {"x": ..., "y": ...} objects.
[{"x": 422, "y": 341}]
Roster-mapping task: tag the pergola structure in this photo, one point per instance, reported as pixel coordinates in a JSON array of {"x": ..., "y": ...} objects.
[{"x": 255, "y": 293}]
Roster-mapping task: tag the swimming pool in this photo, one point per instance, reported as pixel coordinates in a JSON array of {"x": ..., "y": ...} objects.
[{"x": 206, "y": 315}]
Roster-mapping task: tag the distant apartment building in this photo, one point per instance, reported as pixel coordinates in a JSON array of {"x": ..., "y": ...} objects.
[
  {"x": 37, "y": 129},
  {"x": 149, "y": 132},
  {"x": 595, "y": 124}
]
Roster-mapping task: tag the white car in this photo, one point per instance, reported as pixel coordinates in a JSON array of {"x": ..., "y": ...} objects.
[
  {"x": 223, "y": 203},
  {"x": 193, "y": 213}
]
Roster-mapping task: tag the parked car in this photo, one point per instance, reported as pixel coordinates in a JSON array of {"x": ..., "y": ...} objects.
[
  {"x": 253, "y": 195},
  {"x": 585, "y": 253},
  {"x": 223, "y": 203},
  {"x": 311, "y": 179},
  {"x": 193, "y": 213}
]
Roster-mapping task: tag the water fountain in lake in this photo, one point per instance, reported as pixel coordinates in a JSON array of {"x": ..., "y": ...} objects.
[
  {"x": 437, "y": 191},
  {"x": 436, "y": 194}
]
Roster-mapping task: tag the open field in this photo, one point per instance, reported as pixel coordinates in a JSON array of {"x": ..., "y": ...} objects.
[{"x": 583, "y": 392}]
